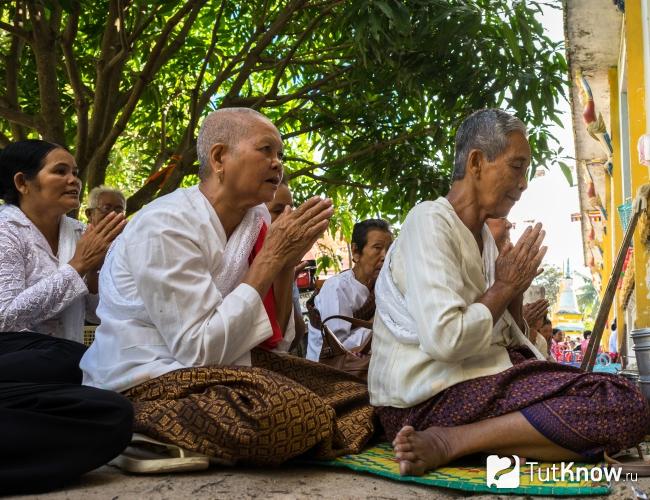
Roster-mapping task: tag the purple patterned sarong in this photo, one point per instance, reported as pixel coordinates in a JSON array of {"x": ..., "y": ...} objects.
[{"x": 587, "y": 413}]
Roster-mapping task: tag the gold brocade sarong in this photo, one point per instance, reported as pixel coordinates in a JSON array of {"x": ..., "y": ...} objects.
[{"x": 279, "y": 408}]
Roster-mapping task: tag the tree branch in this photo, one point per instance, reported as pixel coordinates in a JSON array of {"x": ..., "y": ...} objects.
[
  {"x": 362, "y": 152},
  {"x": 12, "y": 66},
  {"x": 4, "y": 140},
  {"x": 280, "y": 21},
  {"x": 335, "y": 182},
  {"x": 44, "y": 48},
  {"x": 159, "y": 55},
  {"x": 292, "y": 51},
  {"x": 79, "y": 90},
  {"x": 21, "y": 118},
  {"x": 15, "y": 30},
  {"x": 282, "y": 99},
  {"x": 194, "y": 108}
]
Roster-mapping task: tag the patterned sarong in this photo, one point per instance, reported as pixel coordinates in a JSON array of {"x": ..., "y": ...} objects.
[
  {"x": 278, "y": 409},
  {"x": 587, "y": 413}
]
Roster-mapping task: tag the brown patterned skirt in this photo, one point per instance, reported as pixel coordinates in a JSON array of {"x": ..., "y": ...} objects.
[
  {"x": 587, "y": 413},
  {"x": 280, "y": 408}
]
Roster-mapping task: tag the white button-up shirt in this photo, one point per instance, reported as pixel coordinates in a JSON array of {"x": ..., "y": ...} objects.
[
  {"x": 40, "y": 291},
  {"x": 438, "y": 268},
  {"x": 160, "y": 308}
]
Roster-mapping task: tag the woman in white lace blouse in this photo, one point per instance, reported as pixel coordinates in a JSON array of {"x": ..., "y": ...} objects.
[{"x": 48, "y": 265}]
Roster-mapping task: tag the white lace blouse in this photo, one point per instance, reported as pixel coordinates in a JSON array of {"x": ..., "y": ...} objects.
[{"x": 40, "y": 291}]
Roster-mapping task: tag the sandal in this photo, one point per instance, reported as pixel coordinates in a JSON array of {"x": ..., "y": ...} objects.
[
  {"x": 147, "y": 456},
  {"x": 630, "y": 464}
]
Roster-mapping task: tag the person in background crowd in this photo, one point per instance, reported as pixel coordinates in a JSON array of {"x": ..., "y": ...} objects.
[
  {"x": 103, "y": 200},
  {"x": 585, "y": 341},
  {"x": 283, "y": 199},
  {"x": 613, "y": 342},
  {"x": 351, "y": 293},
  {"x": 557, "y": 344}
]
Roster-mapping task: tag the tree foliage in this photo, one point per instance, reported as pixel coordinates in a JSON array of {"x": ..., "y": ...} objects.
[
  {"x": 550, "y": 279},
  {"x": 588, "y": 300},
  {"x": 367, "y": 93}
]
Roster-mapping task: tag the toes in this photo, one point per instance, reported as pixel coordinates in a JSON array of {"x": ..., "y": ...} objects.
[
  {"x": 407, "y": 446},
  {"x": 406, "y": 431},
  {"x": 403, "y": 435},
  {"x": 407, "y": 456},
  {"x": 405, "y": 468}
]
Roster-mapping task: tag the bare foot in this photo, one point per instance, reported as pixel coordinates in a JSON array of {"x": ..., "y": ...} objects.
[{"x": 420, "y": 451}]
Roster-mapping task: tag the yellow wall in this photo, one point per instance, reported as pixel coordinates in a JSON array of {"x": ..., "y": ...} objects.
[
  {"x": 614, "y": 227},
  {"x": 636, "y": 104}
]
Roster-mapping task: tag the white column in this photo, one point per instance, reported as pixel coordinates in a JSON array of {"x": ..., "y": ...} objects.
[{"x": 645, "y": 15}]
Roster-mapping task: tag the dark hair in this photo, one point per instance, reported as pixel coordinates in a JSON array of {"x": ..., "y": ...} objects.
[
  {"x": 546, "y": 321},
  {"x": 555, "y": 332},
  {"x": 586, "y": 334},
  {"x": 360, "y": 231},
  {"x": 22, "y": 156}
]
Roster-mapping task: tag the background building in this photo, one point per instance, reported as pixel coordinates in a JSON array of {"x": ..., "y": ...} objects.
[{"x": 608, "y": 49}]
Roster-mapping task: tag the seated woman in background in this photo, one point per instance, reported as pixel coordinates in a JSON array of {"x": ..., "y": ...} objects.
[
  {"x": 283, "y": 199},
  {"x": 351, "y": 293},
  {"x": 452, "y": 372},
  {"x": 54, "y": 430},
  {"x": 103, "y": 200}
]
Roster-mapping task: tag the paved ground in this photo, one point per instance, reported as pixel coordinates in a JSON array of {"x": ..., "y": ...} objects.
[{"x": 283, "y": 483}]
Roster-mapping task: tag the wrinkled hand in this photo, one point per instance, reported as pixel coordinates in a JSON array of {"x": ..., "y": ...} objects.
[
  {"x": 516, "y": 266},
  {"x": 535, "y": 312},
  {"x": 93, "y": 244},
  {"x": 294, "y": 232}
]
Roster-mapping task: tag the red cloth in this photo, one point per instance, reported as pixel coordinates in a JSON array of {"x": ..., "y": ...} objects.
[{"x": 269, "y": 298}]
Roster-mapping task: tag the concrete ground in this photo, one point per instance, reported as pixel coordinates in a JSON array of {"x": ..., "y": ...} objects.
[{"x": 282, "y": 483}]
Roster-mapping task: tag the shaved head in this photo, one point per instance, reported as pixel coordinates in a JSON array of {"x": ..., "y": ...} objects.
[{"x": 226, "y": 126}]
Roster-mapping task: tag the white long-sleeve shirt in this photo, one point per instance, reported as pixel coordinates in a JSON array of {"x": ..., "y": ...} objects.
[
  {"x": 438, "y": 268},
  {"x": 40, "y": 291},
  {"x": 341, "y": 295},
  {"x": 160, "y": 308}
]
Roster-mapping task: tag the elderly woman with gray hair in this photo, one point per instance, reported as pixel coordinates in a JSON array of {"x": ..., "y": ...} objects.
[
  {"x": 103, "y": 200},
  {"x": 452, "y": 372}
]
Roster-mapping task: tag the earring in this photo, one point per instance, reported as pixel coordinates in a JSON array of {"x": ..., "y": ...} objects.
[{"x": 220, "y": 175}]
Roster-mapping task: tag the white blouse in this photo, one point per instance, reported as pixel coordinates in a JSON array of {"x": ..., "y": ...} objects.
[
  {"x": 340, "y": 295},
  {"x": 438, "y": 268},
  {"x": 40, "y": 291},
  {"x": 160, "y": 307}
]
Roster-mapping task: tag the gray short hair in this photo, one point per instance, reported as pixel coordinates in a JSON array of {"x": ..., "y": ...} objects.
[
  {"x": 227, "y": 126},
  {"x": 95, "y": 193},
  {"x": 486, "y": 130}
]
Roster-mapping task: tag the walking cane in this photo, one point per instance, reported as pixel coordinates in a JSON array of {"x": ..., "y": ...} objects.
[{"x": 640, "y": 204}]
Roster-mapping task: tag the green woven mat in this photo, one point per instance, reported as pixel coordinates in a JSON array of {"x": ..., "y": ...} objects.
[{"x": 379, "y": 460}]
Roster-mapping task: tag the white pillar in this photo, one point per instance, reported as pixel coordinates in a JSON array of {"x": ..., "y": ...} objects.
[{"x": 645, "y": 15}]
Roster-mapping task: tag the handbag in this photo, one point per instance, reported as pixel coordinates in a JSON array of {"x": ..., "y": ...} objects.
[{"x": 333, "y": 353}]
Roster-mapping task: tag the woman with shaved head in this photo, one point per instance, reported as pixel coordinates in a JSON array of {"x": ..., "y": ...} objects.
[{"x": 196, "y": 314}]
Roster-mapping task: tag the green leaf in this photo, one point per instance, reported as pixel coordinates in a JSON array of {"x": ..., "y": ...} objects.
[{"x": 566, "y": 170}]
